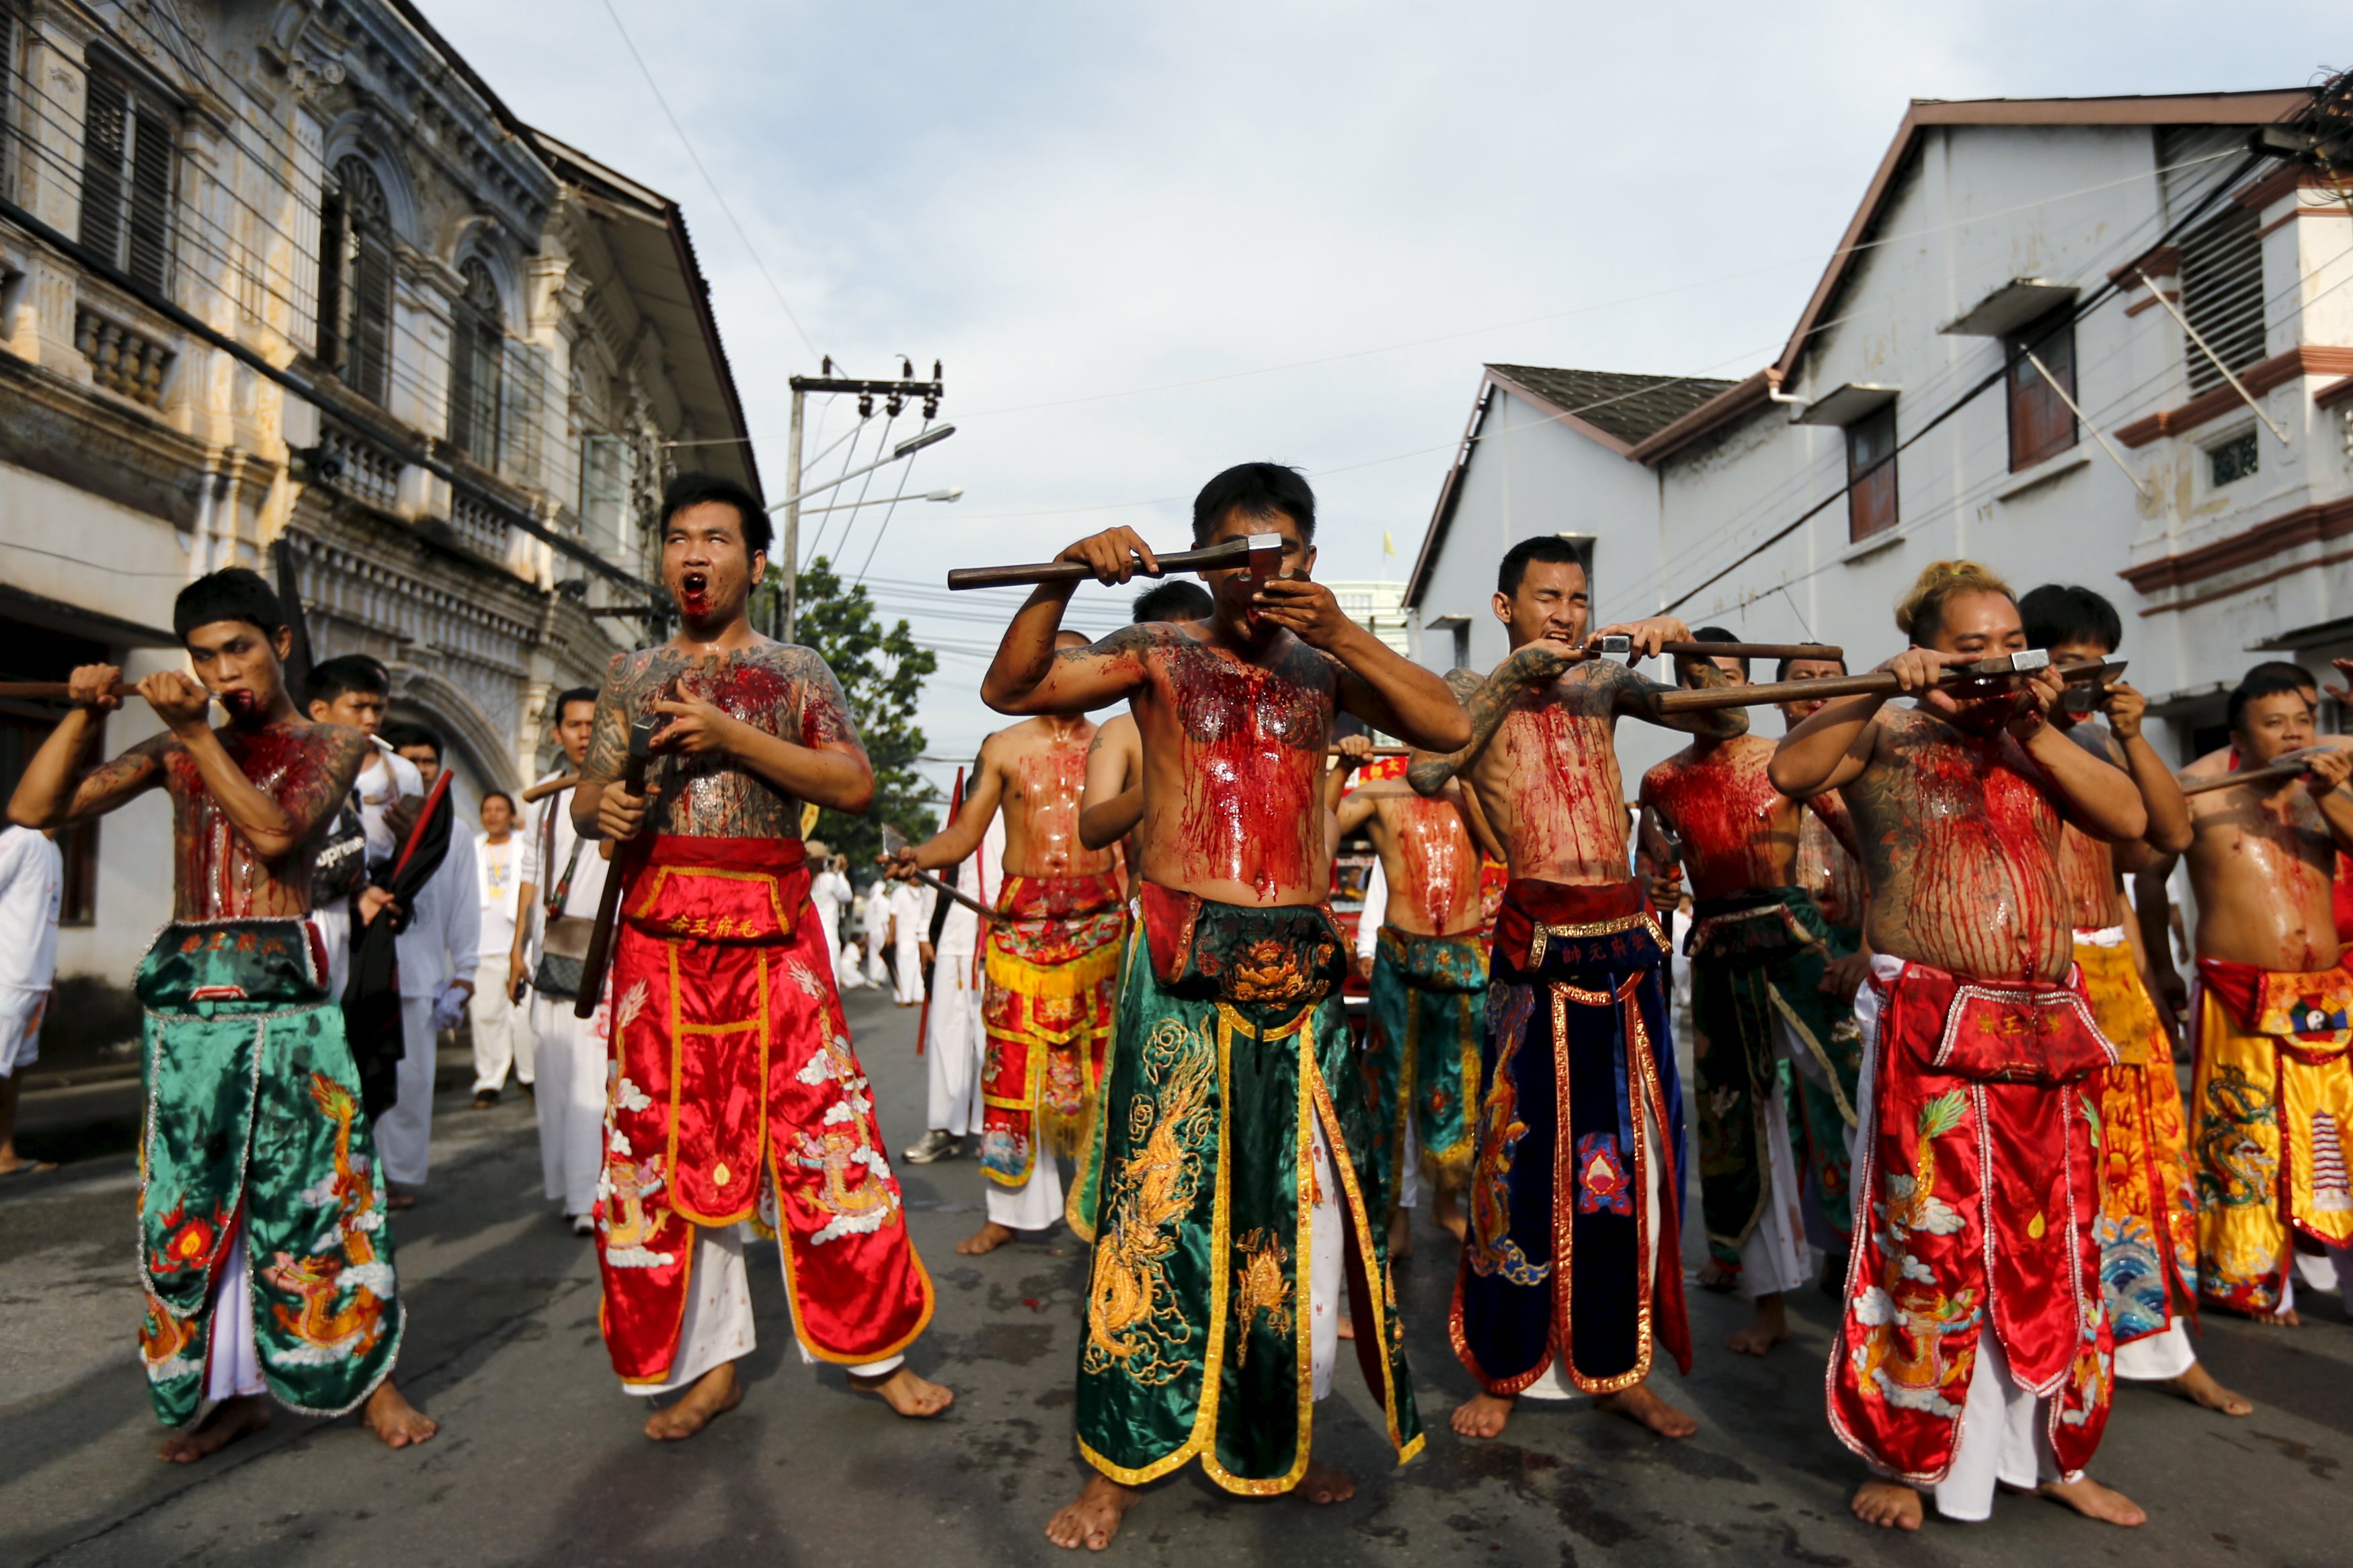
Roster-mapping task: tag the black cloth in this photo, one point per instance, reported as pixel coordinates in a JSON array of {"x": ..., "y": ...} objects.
[{"x": 372, "y": 993}]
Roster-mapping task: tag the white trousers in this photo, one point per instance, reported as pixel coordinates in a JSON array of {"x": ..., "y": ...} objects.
[
  {"x": 1774, "y": 1258},
  {"x": 403, "y": 1135},
  {"x": 232, "y": 1362},
  {"x": 953, "y": 1041},
  {"x": 2332, "y": 1272},
  {"x": 1036, "y": 1204},
  {"x": 828, "y": 921},
  {"x": 502, "y": 1031},
  {"x": 875, "y": 971},
  {"x": 570, "y": 1100},
  {"x": 2155, "y": 1358},
  {"x": 20, "y": 1027},
  {"x": 911, "y": 966},
  {"x": 1555, "y": 1384},
  {"x": 333, "y": 924},
  {"x": 1409, "y": 1178},
  {"x": 716, "y": 1326},
  {"x": 1326, "y": 1267}
]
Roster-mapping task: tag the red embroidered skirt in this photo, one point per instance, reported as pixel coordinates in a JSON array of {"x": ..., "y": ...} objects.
[
  {"x": 738, "y": 1096},
  {"x": 1983, "y": 1189},
  {"x": 1052, "y": 966}
]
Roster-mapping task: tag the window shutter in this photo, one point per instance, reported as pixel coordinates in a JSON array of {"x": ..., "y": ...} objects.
[
  {"x": 11, "y": 65},
  {"x": 371, "y": 317},
  {"x": 2040, "y": 423},
  {"x": 461, "y": 381},
  {"x": 334, "y": 251},
  {"x": 149, "y": 251},
  {"x": 105, "y": 110},
  {"x": 2222, "y": 294}
]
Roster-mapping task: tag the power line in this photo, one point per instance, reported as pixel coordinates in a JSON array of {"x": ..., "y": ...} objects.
[{"x": 712, "y": 185}]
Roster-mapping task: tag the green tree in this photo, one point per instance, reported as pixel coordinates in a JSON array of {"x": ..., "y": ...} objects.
[{"x": 881, "y": 671}]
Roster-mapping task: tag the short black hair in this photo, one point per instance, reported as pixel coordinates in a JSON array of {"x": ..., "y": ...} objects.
[
  {"x": 405, "y": 733},
  {"x": 694, "y": 488},
  {"x": 2273, "y": 679},
  {"x": 2058, "y": 612},
  {"x": 330, "y": 679},
  {"x": 231, "y": 593},
  {"x": 567, "y": 698},
  {"x": 1718, "y": 634},
  {"x": 1549, "y": 548},
  {"x": 491, "y": 794},
  {"x": 1255, "y": 490},
  {"x": 1174, "y": 600},
  {"x": 1781, "y": 666},
  {"x": 2288, "y": 669}
]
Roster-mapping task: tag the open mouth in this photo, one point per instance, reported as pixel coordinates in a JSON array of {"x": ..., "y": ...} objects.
[{"x": 694, "y": 589}]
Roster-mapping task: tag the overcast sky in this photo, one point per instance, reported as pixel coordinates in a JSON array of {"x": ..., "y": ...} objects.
[{"x": 1325, "y": 218}]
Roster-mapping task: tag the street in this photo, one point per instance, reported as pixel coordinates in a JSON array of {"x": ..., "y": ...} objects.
[{"x": 540, "y": 1458}]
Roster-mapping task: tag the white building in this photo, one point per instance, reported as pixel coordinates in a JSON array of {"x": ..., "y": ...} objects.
[
  {"x": 1990, "y": 229},
  {"x": 1379, "y": 608},
  {"x": 292, "y": 274}
]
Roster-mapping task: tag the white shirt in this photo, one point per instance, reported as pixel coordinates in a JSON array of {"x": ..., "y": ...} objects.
[
  {"x": 828, "y": 890},
  {"x": 443, "y": 942},
  {"x": 548, "y": 840},
  {"x": 878, "y": 910},
  {"x": 499, "y": 868},
  {"x": 387, "y": 777},
  {"x": 32, "y": 880},
  {"x": 1377, "y": 911},
  {"x": 977, "y": 878},
  {"x": 910, "y": 905}
]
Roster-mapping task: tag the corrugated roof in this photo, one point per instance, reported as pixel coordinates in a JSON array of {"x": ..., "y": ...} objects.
[{"x": 1629, "y": 407}]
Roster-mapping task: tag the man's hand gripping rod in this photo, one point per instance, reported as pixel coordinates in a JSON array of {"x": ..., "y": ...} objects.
[
  {"x": 2007, "y": 667},
  {"x": 1260, "y": 553},
  {"x": 893, "y": 841},
  {"x": 2287, "y": 766},
  {"x": 608, "y": 906}
]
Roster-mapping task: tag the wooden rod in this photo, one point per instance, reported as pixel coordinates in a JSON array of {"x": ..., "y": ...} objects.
[
  {"x": 1755, "y": 650},
  {"x": 1709, "y": 698},
  {"x": 546, "y": 787},
  {"x": 1261, "y": 553},
  {"x": 2292, "y": 765}
]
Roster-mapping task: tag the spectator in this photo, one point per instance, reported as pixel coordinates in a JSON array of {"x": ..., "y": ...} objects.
[
  {"x": 502, "y": 1035},
  {"x": 32, "y": 876}
]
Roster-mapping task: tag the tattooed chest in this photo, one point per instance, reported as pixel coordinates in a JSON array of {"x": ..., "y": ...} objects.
[
  {"x": 1553, "y": 773},
  {"x": 709, "y": 793},
  {"x": 1253, "y": 741}
]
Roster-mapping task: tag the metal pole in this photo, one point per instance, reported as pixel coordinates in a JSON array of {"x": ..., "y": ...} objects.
[{"x": 792, "y": 519}]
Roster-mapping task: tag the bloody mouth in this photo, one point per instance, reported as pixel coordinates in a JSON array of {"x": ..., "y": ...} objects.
[
  {"x": 238, "y": 701},
  {"x": 693, "y": 592}
]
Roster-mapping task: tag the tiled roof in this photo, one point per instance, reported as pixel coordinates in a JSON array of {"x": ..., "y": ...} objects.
[{"x": 1629, "y": 407}]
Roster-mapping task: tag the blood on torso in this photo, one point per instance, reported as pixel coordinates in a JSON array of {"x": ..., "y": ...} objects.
[
  {"x": 1233, "y": 758},
  {"x": 1960, "y": 845},
  {"x": 1548, "y": 782},
  {"x": 766, "y": 686},
  {"x": 2262, "y": 865},
  {"x": 1736, "y": 831},
  {"x": 1428, "y": 860},
  {"x": 1045, "y": 778},
  {"x": 2087, "y": 873},
  {"x": 216, "y": 874},
  {"x": 1823, "y": 866}
]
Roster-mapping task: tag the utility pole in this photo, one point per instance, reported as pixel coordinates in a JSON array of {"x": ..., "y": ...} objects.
[{"x": 895, "y": 394}]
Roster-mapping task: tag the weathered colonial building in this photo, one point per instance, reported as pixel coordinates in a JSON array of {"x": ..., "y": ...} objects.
[
  {"x": 287, "y": 272},
  {"x": 1982, "y": 371}
]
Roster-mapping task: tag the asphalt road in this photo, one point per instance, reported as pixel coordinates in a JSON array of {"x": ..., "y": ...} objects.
[{"x": 539, "y": 1459}]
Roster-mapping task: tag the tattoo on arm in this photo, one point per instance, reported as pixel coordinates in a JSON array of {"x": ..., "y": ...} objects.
[
  {"x": 112, "y": 783},
  {"x": 1486, "y": 700},
  {"x": 608, "y": 736}
]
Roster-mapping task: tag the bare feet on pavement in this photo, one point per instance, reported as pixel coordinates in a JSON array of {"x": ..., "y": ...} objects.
[
  {"x": 1891, "y": 1505},
  {"x": 1483, "y": 1416},
  {"x": 2093, "y": 1500},
  {"x": 1401, "y": 1233},
  {"x": 224, "y": 1423},
  {"x": 2197, "y": 1387},
  {"x": 1322, "y": 1484},
  {"x": 715, "y": 1392},
  {"x": 2284, "y": 1318},
  {"x": 1769, "y": 1327},
  {"x": 987, "y": 1239},
  {"x": 1448, "y": 1214},
  {"x": 1714, "y": 1275},
  {"x": 1094, "y": 1518},
  {"x": 905, "y": 1393},
  {"x": 1640, "y": 1404}
]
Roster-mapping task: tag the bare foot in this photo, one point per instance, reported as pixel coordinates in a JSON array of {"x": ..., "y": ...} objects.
[
  {"x": 1448, "y": 1213},
  {"x": 1094, "y": 1518},
  {"x": 1714, "y": 1275},
  {"x": 987, "y": 1239},
  {"x": 2093, "y": 1500},
  {"x": 1891, "y": 1505},
  {"x": 715, "y": 1392},
  {"x": 2197, "y": 1387},
  {"x": 395, "y": 1421},
  {"x": 1347, "y": 1328},
  {"x": 395, "y": 1199},
  {"x": 1322, "y": 1484},
  {"x": 1769, "y": 1327},
  {"x": 224, "y": 1423},
  {"x": 1401, "y": 1233},
  {"x": 1640, "y": 1404},
  {"x": 2284, "y": 1318},
  {"x": 905, "y": 1393},
  {"x": 14, "y": 1164},
  {"x": 1482, "y": 1415}
]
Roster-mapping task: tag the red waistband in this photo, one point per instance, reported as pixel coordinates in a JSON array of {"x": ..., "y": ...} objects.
[
  {"x": 1574, "y": 903},
  {"x": 725, "y": 854}
]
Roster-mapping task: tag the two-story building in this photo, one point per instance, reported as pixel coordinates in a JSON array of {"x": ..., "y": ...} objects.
[
  {"x": 286, "y": 280},
  {"x": 2081, "y": 340}
]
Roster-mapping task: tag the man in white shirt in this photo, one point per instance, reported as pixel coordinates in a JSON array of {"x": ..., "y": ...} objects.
[
  {"x": 954, "y": 1036},
  {"x": 562, "y": 878},
  {"x": 353, "y": 689},
  {"x": 32, "y": 879},
  {"x": 910, "y": 904},
  {"x": 829, "y": 909},
  {"x": 440, "y": 950},
  {"x": 501, "y": 1036},
  {"x": 877, "y": 932}
]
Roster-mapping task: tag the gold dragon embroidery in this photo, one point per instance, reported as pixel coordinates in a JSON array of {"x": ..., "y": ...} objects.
[
  {"x": 1260, "y": 1286},
  {"x": 1134, "y": 1322}
]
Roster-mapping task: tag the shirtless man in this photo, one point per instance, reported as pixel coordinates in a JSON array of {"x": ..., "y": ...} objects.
[
  {"x": 1429, "y": 979},
  {"x": 1237, "y": 1137},
  {"x": 2273, "y": 1092},
  {"x": 1763, "y": 1016},
  {"x": 269, "y": 1278},
  {"x": 1594, "y": 1071},
  {"x": 720, "y": 967},
  {"x": 2147, "y": 1227},
  {"x": 1974, "y": 1153},
  {"x": 1112, "y": 802},
  {"x": 1051, "y": 963}
]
